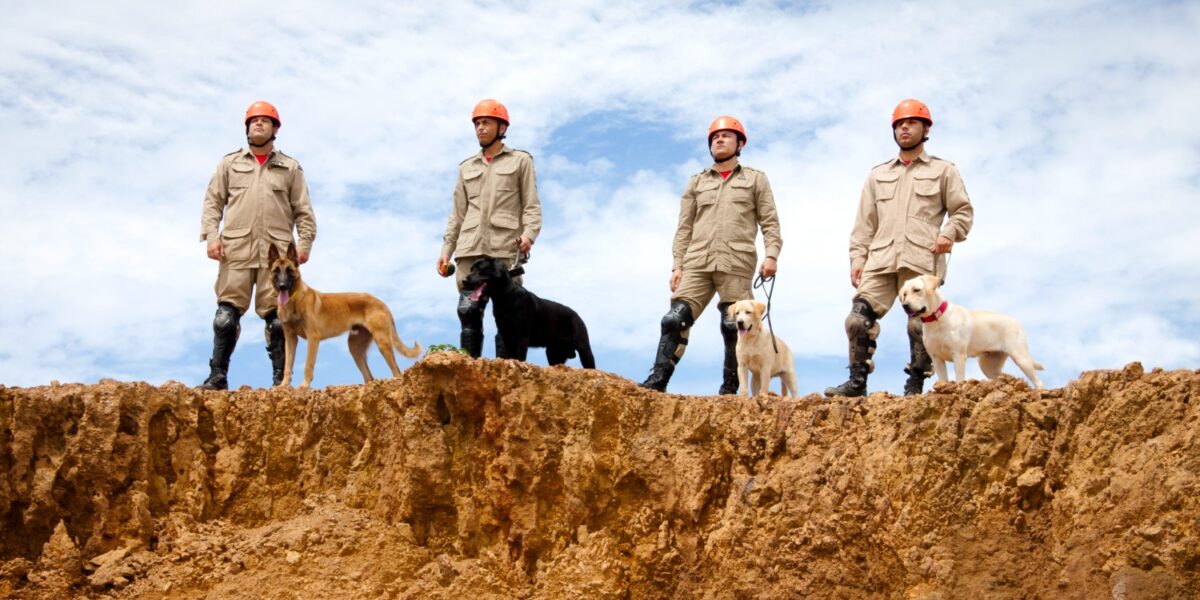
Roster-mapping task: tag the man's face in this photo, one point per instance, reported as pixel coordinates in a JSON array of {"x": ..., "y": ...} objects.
[
  {"x": 910, "y": 132},
  {"x": 723, "y": 145},
  {"x": 260, "y": 130},
  {"x": 486, "y": 130}
]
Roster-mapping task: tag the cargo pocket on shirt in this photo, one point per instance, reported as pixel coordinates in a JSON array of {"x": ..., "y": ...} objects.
[
  {"x": 920, "y": 236},
  {"x": 927, "y": 205},
  {"x": 742, "y": 257},
  {"x": 468, "y": 232},
  {"x": 240, "y": 179},
  {"x": 504, "y": 232},
  {"x": 881, "y": 255},
  {"x": 237, "y": 243},
  {"x": 473, "y": 181}
]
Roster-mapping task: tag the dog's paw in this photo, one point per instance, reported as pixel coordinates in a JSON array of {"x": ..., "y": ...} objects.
[{"x": 945, "y": 386}]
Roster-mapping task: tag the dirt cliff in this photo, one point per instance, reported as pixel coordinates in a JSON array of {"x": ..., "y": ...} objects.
[{"x": 495, "y": 479}]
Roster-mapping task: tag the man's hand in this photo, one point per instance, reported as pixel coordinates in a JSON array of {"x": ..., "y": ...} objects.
[
  {"x": 441, "y": 265},
  {"x": 768, "y": 268},
  {"x": 302, "y": 256},
  {"x": 855, "y": 276},
  {"x": 676, "y": 275},
  {"x": 524, "y": 244},
  {"x": 943, "y": 245},
  {"x": 216, "y": 250}
]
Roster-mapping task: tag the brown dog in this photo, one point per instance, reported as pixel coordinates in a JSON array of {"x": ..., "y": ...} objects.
[{"x": 314, "y": 316}]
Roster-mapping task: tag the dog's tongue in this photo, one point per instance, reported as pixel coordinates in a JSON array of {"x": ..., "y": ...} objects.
[
  {"x": 478, "y": 293},
  {"x": 283, "y": 298},
  {"x": 742, "y": 332}
]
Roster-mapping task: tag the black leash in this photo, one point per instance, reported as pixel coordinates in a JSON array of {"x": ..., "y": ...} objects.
[{"x": 761, "y": 282}]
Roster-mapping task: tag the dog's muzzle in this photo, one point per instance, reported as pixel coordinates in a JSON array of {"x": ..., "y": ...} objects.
[
  {"x": 744, "y": 327},
  {"x": 912, "y": 311}
]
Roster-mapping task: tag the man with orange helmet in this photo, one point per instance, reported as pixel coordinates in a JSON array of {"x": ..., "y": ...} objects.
[
  {"x": 261, "y": 195},
  {"x": 496, "y": 213},
  {"x": 721, "y": 211},
  {"x": 912, "y": 210}
]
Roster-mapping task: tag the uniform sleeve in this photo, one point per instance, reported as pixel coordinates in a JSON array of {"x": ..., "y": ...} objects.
[
  {"x": 959, "y": 211},
  {"x": 302, "y": 211},
  {"x": 768, "y": 218},
  {"x": 531, "y": 207},
  {"x": 457, "y": 212},
  {"x": 865, "y": 225},
  {"x": 215, "y": 198},
  {"x": 687, "y": 218}
]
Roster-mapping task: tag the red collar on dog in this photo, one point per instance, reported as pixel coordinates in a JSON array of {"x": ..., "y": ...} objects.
[{"x": 937, "y": 313}]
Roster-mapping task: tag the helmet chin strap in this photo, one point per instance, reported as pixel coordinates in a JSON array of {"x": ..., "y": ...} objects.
[
  {"x": 906, "y": 149},
  {"x": 253, "y": 145}
]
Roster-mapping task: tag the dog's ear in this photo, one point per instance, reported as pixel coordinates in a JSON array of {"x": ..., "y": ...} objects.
[
  {"x": 272, "y": 254},
  {"x": 291, "y": 253},
  {"x": 731, "y": 310},
  {"x": 941, "y": 281},
  {"x": 759, "y": 308}
]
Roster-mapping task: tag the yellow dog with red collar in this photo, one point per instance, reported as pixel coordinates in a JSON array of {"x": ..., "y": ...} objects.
[{"x": 952, "y": 332}]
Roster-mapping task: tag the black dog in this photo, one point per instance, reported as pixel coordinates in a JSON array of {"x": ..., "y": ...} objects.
[{"x": 525, "y": 320}]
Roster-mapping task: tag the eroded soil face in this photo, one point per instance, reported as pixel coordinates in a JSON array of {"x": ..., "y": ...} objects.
[{"x": 495, "y": 479}]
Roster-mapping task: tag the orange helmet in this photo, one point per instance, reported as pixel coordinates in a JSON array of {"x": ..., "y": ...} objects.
[
  {"x": 912, "y": 109},
  {"x": 490, "y": 108},
  {"x": 262, "y": 108},
  {"x": 727, "y": 123}
]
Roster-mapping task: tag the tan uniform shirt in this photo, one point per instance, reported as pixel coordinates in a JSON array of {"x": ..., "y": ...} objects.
[
  {"x": 901, "y": 214},
  {"x": 494, "y": 204},
  {"x": 259, "y": 204},
  {"x": 719, "y": 220}
]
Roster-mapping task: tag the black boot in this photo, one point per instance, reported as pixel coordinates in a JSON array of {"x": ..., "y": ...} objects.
[
  {"x": 729, "y": 381},
  {"x": 855, "y": 386},
  {"x": 861, "y": 330},
  {"x": 671, "y": 344},
  {"x": 470, "y": 315},
  {"x": 920, "y": 365},
  {"x": 275, "y": 349},
  {"x": 226, "y": 327}
]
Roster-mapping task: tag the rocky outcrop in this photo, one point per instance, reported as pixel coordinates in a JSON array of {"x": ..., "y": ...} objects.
[{"x": 501, "y": 479}]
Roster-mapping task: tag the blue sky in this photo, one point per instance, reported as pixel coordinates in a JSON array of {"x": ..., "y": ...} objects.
[{"x": 1073, "y": 125}]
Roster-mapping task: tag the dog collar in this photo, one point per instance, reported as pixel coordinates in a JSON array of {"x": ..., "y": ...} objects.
[{"x": 937, "y": 313}]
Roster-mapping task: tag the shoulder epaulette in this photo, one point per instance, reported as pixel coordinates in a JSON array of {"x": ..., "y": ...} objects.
[
  {"x": 525, "y": 152},
  {"x": 939, "y": 158},
  {"x": 464, "y": 161},
  {"x": 886, "y": 162},
  {"x": 238, "y": 151}
]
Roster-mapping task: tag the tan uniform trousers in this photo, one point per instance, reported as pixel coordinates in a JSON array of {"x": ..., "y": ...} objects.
[
  {"x": 697, "y": 289},
  {"x": 234, "y": 285},
  {"x": 462, "y": 268},
  {"x": 880, "y": 289}
]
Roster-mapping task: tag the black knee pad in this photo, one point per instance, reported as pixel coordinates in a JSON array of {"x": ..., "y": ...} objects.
[
  {"x": 678, "y": 319},
  {"x": 226, "y": 321},
  {"x": 274, "y": 327},
  {"x": 728, "y": 323},
  {"x": 861, "y": 320},
  {"x": 470, "y": 312}
]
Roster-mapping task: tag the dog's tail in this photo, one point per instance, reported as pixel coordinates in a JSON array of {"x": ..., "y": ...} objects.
[{"x": 410, "y": 352}]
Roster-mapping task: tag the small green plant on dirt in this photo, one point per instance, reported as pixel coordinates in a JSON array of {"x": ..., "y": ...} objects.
[{"x": 445, "y": 348}]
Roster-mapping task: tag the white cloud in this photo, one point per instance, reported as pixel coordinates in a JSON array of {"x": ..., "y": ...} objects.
[{"x": 1072, "y": 124}]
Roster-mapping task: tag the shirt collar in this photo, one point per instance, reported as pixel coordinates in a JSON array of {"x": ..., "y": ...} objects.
[
  {"x": 736, "y": 168},
  {"x": 924, "y": 157},
  {"x": 503, "y": 148}
]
